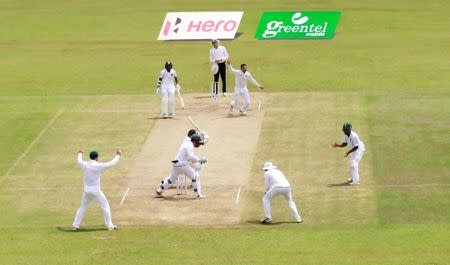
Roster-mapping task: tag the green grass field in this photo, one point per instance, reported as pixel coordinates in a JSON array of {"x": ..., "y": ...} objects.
[{"x": 81, "y": 74}]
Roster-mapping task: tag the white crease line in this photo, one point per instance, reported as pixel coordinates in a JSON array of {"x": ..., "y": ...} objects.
[
  {"x": 237, "y": 196},
  {"x": 38, "y": 137},
  {"x": 125, "y": 195}
]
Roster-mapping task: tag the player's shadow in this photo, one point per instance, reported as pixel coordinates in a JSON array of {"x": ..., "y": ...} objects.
[
  {"x": 340, "y": 184},
  {"x": 175, "y": 198},
  {"x": 232, "y": 116},
  {"x": 87, "y": 229},
  {"x": 256, "y": 222}
]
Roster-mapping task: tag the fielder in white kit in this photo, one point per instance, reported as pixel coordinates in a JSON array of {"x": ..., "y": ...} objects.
[
  {"x": 355, "y": 153},
  {"x": 166, "y": 87},
  {"x": 182, "y": 165},
  {"x": 241, "y": 87},
  {"x": 92, "y": 170},
  {"x": 275, "y": 184}
]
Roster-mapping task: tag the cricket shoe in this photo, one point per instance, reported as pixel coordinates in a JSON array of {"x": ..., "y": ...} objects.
[
  {"x": 354, "y": 183},
  {"x": 158, "y": 195},
  {"x": 75, "y": 228},
  {"x": 111, "y": 228},
  {"x": 170, "y": 115},
  {"x": 300, "y": 221},
  {"x": 224, "y": 94},
  {"x": 243, "y": 113},
  {"x": 265, "y": 221},
  {"x": 231, "y": 108},
  {"x": 349, "y": 180},
  {"x": 199, "y": 196}
]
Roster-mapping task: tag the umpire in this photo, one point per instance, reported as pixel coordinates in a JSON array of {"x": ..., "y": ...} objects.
[{"x": 219, "y": 55}]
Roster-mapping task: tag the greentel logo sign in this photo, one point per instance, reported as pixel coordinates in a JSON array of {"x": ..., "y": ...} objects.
[{"x": 297, "y": 25}]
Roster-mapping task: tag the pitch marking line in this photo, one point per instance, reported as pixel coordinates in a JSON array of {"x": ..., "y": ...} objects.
[
  {"x": 124, "y": 196},
  {"x": 38, "y": 137},
  {"x": 238, "y": 194}
]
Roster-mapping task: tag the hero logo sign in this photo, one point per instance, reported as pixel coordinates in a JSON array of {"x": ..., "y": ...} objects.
[{"x": 200, "y": 25}]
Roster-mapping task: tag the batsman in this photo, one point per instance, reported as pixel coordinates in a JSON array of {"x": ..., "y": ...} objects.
[
  {"x": 182, "y": 165},
  {"x": 166, "y": 87}
]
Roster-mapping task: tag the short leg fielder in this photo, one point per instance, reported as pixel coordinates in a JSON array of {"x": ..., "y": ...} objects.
[{"x": 286, "y": 192}]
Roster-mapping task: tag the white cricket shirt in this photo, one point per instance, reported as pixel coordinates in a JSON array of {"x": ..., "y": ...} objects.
[
  {"x": 241, "y": 79},
  {"x": 275, "y": 178},
  {"x": 168, "y": 78},
  {"x": 92, "y": 172},
  {"x": 219, "y": 53},
  {"x": 186, "y": 153},
  {"x": 353, "y": 140}
]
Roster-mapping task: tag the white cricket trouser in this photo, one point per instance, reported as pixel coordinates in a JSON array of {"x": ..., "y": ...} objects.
[
  {"x": 286, "y": 192},
  {"x": 177, "y": 170},
  {"x": 101, "y": 200},
  {"x": 246, "y": 96},
  {"x": 167, "y": 100},
  {"x": 353, "y": 165}
]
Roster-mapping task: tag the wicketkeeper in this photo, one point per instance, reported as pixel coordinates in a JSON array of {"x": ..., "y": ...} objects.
[
  {"x": 166, "y": 87},
  {"x": 275, "y": 183},
  {"x": 182, "y": 165}
]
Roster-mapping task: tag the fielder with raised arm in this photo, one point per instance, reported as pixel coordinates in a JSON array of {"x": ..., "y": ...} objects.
[
  {"x": 182, "y": 165},
  {"x": 240, "y": 89},
  {"x": 355, "y": 153},
  {"x": 275, "y": 183},
  {"x": 166, "y": 87},
  {"x": 92, "y": 170}
]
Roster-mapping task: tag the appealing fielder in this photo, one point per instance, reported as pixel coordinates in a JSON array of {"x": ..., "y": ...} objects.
[
  {"x": 241, "y": 87},
  {"x": 355, "y": 153},
  {"x": 182, "y": 165},
  {"x": 218, "y": 54},
  {"x": 92, "y": 170},
  {"x": 275, "y": 184},
  {"x": 166, "y": 86}
]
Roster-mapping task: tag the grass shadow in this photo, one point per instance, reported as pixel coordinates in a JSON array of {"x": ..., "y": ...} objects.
[
  {"x": 256, "y": 222},
  {"x": 88, "y": 229},
  {"x": 341, "y": 184}
]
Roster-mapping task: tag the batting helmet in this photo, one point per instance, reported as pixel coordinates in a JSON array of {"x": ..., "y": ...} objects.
[
  {"x": 196, "y": 137},
  {"x": 168, "y": 64},
  {"x": 191, "y": 132}
]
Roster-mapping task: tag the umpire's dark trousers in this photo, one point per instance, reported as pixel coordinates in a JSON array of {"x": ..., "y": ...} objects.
[{"x": 223, "y": 75}]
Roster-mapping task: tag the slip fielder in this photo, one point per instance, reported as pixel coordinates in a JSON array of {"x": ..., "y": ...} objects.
[
  {"x": 182, "y": 165},
  {"x": 92, "y": 170},
  {"x": 355, "y": 153},
  {"x": 240, "y": 89},
  {"x": 166, "y": 87}
]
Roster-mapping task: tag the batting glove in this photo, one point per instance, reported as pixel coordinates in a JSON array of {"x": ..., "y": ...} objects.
[
  {"x": 203, "y": 160},
  {"x": 178, "y": 87}
]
